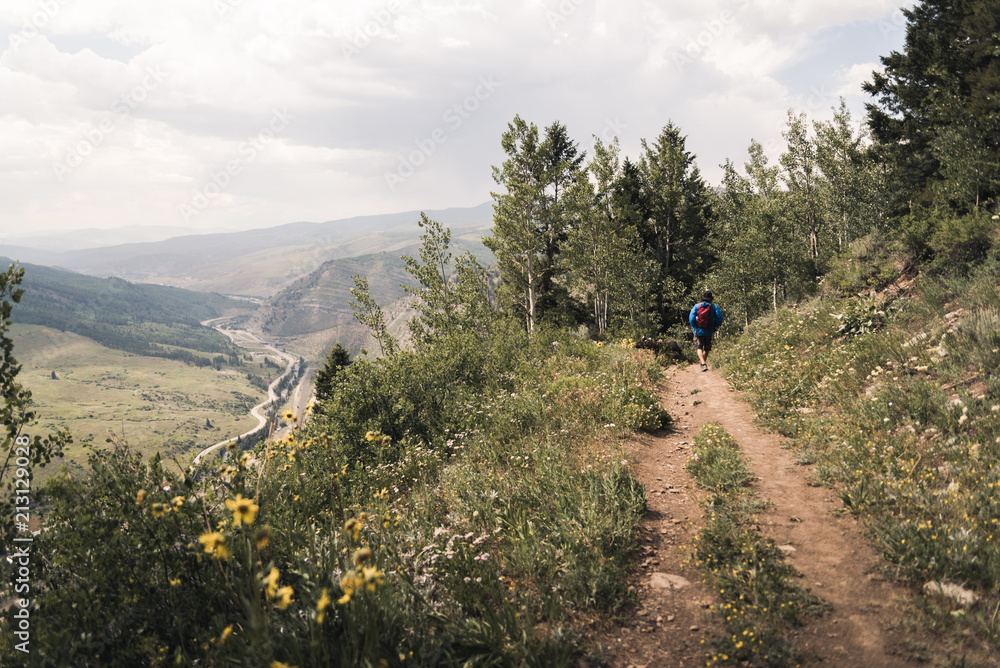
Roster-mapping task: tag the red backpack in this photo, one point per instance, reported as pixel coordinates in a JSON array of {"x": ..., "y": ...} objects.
[{"x": 703, "y": 317}]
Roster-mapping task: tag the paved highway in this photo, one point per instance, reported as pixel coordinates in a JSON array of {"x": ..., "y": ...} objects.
[{"x": 244, "y": 338}]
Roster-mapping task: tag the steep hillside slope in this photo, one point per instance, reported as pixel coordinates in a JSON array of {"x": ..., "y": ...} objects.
[{"x": 314, "y": 312}]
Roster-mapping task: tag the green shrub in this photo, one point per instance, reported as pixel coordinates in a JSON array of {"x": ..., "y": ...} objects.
[
  {"x": 960, "y": 244},
  {"x": 870, "y": 262},
  {"x": 501, "y": 516}
]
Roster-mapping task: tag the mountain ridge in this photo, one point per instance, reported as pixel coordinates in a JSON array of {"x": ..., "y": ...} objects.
[{"x": 255, "y": 263}]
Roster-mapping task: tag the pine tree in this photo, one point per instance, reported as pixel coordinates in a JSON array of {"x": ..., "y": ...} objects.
[
  {"x": 677, "y": 226},
  {"x": 601, "y": 246},
  {"x": 561, "y": 160},
  {"x": 337, "y": 360},
  {"x": 938, "y": 96}
]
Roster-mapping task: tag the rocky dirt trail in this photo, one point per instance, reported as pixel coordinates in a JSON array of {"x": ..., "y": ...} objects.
[{"x": 827, "y": 548}]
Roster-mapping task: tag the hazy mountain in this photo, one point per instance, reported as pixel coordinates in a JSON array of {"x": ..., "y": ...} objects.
[
  {"x": 255, "y": 262},
  {"x": 69, "y": 240}
]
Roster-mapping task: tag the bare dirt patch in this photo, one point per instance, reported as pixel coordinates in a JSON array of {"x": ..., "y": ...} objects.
[{"x": 672, "y": 617}]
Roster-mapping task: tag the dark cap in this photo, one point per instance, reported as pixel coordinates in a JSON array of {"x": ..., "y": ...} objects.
[{"x": 707, "y": 297}]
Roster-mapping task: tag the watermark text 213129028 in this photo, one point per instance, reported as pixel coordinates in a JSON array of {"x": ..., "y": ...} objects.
[{"x": 21, "y": 552}]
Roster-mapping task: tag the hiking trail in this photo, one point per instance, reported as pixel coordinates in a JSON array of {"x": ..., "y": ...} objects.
[{"x": 827, "y": 548}]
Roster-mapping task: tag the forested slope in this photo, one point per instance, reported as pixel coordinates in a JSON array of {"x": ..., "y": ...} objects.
[{"x": 137, "y": 318}]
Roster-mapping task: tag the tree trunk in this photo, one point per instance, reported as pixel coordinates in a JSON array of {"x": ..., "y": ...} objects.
[{"x": 531, "y": 292}]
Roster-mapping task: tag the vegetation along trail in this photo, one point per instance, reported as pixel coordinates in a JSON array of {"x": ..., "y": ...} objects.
[{"x": 823, "y": 544}]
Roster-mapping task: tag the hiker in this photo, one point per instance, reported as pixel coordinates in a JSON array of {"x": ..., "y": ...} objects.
[{"x": 705, "y": 318}]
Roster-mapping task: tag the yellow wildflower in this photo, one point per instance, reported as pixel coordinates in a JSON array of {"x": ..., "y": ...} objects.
[
  {"x": 140, "y": 497},
  {"x": 362, "y": 555},
  {"x": 226, "y": 635},
  {"x": 215, "y": 544},
  {"x": 349, "y": 583},
  {"x": 353, "y": 527},
  {"x": 159, "y": 509},
  {"x": 285, "y": 596},
  {"x": 244, "y": 510},
  {"x": 175, "y": 582},
  {"x": 290, "y": 416},
  {"x": 178, "y": 501},
  {"x": 321, "y": 605},
  {"x": 272, "y": 582},
  {"x": 373, "y": 577},
  {"x": 263, "y": 538}
]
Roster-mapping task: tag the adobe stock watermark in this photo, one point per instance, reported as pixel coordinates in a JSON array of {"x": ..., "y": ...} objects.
[
  {"x": 224, "y": 7},
  {"x": 20, "y": 556},
  {"x": 895, "y": 23},
  {"x": 33, "y": 25},
  {"x": 817, "y": 98},
  {"x": 220, "y": 179},
  {"x": 121, "y": 108},
  {"x": 454, "y": 116},
  {"x": 563, "y": 12},
  {"x": 611, "y": 130},
  {"x": 372, "y": 28},
  {"x": 712, "y": 29}
]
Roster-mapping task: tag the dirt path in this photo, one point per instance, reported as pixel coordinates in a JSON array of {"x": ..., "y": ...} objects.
[{"x": 827, "y": 549}]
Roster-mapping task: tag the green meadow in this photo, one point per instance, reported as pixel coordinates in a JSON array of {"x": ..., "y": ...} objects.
[{"x": 152, "y": 403}]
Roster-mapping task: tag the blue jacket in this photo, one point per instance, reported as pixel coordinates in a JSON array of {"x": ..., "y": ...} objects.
[{"x": 716, "y": 320}]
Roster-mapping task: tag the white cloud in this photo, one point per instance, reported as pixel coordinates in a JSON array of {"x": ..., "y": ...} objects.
[
  {"x": 851, "y": 78},
  {"x": 370, "y": 83}
]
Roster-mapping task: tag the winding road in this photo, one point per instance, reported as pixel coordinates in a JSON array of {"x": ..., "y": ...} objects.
[{"x": 272, "y": 396}]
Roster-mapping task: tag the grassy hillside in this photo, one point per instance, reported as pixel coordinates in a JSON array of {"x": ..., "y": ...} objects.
[
  {"x": 138, "y": 318},
  {"x": 894, "y": 396},
  {"x": 155, "y": 404}
]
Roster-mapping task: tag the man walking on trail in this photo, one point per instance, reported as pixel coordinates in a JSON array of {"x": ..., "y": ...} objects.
[{"x": 705, "y": 318}]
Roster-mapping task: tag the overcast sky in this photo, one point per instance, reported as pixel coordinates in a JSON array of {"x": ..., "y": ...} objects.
[{"x": 235, "y": 114}]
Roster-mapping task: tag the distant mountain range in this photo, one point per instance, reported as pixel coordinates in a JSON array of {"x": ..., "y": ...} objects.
[
  {"x": 254, "y": 263},
  {"x": 70, "y": 240},
  {"x": 295, "y": 281}
]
